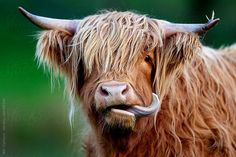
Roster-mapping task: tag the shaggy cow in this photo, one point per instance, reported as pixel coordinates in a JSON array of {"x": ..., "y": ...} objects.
[{"x": 122, "y": 66}]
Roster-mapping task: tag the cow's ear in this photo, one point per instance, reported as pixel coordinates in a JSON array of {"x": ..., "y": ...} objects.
[
  {"x": 179, "y": 49},
  {"x": 177, "y": 52},
  {"x": 54, "y": 50}
]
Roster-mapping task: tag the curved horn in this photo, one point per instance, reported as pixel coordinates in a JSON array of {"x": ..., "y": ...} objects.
[
  {"x": 145, "y": 111},
  {"x": 50, "y": 23},
  {"x": 172, "y": 28}
]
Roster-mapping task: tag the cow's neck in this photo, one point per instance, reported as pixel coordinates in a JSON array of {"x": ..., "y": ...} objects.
[{"x": 130, "y": 144}]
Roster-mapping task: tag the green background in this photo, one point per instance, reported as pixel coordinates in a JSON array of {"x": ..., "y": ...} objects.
[{"x": 34, "y": 112}]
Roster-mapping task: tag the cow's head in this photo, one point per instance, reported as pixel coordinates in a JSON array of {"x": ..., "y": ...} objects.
[{"x": 117, "y": 63}]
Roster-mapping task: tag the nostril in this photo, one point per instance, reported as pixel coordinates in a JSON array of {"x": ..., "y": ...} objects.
[
  {"x": 104, "y": 91},
  {"x": 125, "y": 90}
]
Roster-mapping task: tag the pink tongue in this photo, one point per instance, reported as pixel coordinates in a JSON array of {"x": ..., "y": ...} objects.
[
  {"x": 145, "y": 111},
  {"x": 123, "y": 112}
]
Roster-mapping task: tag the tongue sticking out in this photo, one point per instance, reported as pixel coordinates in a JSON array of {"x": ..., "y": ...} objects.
[
  {"x": 124, "y": 116},
  {"x": 139, "y": 111}
]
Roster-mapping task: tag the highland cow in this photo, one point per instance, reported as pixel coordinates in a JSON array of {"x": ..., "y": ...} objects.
[{"x": 148, "y": 87}]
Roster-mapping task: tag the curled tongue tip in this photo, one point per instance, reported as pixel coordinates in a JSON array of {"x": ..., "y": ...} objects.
[{"x": 145, "y": 111}]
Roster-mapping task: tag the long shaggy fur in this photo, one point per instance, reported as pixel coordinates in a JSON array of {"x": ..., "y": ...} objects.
[
  {"x": 196, "y": 84},
  {"x": 198, "y": 109}
]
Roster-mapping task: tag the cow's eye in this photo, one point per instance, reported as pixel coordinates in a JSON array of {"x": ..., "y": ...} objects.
[{"x": 148, "y": 59}]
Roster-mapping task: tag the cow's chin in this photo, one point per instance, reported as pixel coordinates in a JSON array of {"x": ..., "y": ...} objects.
[{"x": 120, "y": 120}]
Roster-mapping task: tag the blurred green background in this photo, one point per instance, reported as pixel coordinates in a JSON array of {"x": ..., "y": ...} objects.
[{"x": 34, "y": 113}]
